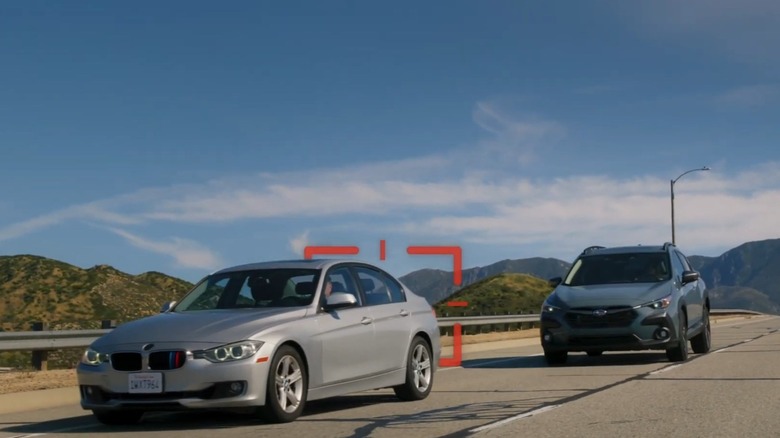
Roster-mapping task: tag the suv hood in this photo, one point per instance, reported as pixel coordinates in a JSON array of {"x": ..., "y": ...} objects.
[
  {"x": 208, "y": 326},
  {"x": 607, "y": 295}
]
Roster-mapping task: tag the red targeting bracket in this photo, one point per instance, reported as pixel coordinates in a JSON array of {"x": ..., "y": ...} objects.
[
  {"x": 455, "y": 251},
  {"x": 457, "y": 349},
  {"x": 311, "y": 251}
]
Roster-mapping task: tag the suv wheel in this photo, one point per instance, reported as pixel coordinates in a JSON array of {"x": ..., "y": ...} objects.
[
  {"x": 701, "y": 343},
  {"x": 555, "y": 357},
  {"x": 679, "y": 353}
]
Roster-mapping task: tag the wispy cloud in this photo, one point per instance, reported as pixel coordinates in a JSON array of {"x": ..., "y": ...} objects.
[
  {"x": 186, "y": 253},
  {"x": 299, "y": 243},
  {"x": 513, "y": 139},
  {"x": 741, "y": 29},
  {"x": 749, "y": 96},
  {"x": 463, "y": 200},
  {"x": 598, "y": 89}
]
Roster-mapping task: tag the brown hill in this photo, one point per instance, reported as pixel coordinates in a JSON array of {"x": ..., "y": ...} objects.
[{"x": 64, "y": 296}]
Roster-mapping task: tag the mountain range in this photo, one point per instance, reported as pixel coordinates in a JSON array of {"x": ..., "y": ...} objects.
[{"x": 745, "y": 277}]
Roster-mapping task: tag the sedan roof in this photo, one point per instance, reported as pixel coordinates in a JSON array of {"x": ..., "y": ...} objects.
[{"x": 288, "y": 264}]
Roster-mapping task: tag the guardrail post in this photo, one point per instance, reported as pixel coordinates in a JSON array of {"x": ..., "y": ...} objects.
[
  {"x": 40, "y": 358},
  {"x": 107, "y": 324}
]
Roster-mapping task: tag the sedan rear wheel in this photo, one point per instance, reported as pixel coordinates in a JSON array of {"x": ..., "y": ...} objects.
[
  {"x": 287, "y": 387},
  {"x": 419, "y": 372}
]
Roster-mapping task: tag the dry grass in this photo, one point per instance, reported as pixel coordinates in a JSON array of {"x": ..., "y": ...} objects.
[{"x": 23, "y": 381}]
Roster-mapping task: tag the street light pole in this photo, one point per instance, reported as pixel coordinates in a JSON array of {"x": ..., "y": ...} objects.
[{"x": 671, "y": 188}]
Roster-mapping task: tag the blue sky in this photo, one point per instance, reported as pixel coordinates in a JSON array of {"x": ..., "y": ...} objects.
[{"x": 183, "y": 137}]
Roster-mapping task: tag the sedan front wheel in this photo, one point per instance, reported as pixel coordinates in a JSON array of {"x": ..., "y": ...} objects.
[{"x": 287, "y": 387}]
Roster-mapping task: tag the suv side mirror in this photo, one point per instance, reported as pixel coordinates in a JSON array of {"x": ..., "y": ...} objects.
[
  {"x": 167, "y": 306},
  {"x": 689, "y": 277},
  {"x": 555, "y": 281}
]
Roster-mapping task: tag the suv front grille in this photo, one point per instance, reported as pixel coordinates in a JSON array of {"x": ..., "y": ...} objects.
[{"x": 588, "y": 318}]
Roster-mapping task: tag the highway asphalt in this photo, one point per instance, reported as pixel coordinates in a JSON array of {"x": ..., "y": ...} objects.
[{"x": 503, "y": 389}]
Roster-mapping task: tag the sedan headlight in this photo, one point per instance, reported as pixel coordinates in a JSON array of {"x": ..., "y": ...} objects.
[
  {"x": 94, "y": 357},
  {"x": 661, "y": 303},
  {"x": 229, "y": 352}
]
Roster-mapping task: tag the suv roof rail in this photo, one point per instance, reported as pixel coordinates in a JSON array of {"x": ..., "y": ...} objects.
[
  {"x": 591, "y": 249},
  {"x": 667, "y": 245}
]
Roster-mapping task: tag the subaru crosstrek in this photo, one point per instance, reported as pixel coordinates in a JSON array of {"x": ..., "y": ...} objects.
[{"x": 627, "y": 298}]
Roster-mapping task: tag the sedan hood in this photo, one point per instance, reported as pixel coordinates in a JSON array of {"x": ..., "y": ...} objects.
[
  {"x": 208, "y": 326},
  {"x": 627, "y": 294}
]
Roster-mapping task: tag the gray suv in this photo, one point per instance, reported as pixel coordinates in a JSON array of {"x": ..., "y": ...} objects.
[{"x": 627, "y": 298}]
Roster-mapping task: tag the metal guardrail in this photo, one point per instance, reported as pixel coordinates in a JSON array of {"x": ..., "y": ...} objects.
[
  {"x": 449, "y": 321},
  {"x": 48, "y": 340}
]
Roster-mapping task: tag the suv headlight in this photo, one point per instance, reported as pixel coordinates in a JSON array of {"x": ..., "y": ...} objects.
[
  {"x": 547, "y": 308},
  {"x": 661, "y": 303},
  {"x": 229, "y": 352},
  {"x": 93, "y": 357},
  {"x": 552, "y": 304}
]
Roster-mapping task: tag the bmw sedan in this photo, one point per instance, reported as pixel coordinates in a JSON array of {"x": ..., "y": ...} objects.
[{"x": 268, "y": 336}]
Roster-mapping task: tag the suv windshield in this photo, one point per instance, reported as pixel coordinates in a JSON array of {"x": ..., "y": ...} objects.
[
  {"x": 645, "y": 267},
  {"x": 262, "y": 288}
]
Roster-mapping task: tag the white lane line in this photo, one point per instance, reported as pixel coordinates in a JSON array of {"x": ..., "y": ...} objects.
[
  {"x": 721, "y": 350},
  {"x": 665, "y": 369},
  {"x": 515, "y": 418},
  {"x": 749, "y": 340}
]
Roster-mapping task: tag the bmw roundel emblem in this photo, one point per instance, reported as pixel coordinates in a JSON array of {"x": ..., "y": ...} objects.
[{"x": 599, "y": 312}]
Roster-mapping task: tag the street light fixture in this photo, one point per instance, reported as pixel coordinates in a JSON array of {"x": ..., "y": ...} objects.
[{"x": 671, "y": 186}]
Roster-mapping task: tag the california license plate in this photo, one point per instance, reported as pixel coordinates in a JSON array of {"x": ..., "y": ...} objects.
[{"x": 145, "y": 383}]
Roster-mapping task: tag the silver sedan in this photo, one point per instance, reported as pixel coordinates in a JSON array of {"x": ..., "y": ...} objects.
[{"x": 269, "y": 336}]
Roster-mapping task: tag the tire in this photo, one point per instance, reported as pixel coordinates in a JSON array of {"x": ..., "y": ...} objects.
[
  {"x": 287, "y": 387},
  {"x": 117, "y": 418},
  {"x": 594, "y": 353},
  {"x": 554, "y": 358},
  {"x": 679, "y": 353},
  {"x": 702, "y": 342},
  {"x": 419, "y": 372}
]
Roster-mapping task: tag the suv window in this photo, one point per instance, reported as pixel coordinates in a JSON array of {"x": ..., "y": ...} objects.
[
  {"x": 643, "y": 267},
  {"x": 684, "y": 261}
]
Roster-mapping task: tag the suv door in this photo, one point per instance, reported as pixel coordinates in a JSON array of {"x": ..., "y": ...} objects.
[{"x": 692, "y": 292}]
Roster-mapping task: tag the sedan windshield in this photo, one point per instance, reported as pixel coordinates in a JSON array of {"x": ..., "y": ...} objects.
[
  {"x": 619, "y": 268},
  {"x": 260, "y": 288}
]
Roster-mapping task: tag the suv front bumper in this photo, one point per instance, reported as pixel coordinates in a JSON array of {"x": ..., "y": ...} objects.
[{"x": 649, "y": 330}]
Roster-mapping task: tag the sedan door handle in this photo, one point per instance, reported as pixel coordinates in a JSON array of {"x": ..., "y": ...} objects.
[
  {"x": 366, "y": 320},
  {"x": 405, "y": 312}
]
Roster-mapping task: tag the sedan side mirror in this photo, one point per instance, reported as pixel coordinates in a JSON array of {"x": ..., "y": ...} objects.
[
  {"x": 167, "y": 306},
  {"x": 340, "y": 300},
  {"x": 689, "y": 277}
]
